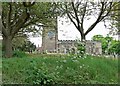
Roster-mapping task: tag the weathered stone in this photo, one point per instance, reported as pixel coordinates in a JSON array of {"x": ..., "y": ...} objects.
[{"x": 65, "y": 46}]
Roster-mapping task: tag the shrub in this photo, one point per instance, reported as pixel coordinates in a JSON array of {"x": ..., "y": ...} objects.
[
  {"x": 19, "y": 54},
  {"x": 80, "y": 49}
]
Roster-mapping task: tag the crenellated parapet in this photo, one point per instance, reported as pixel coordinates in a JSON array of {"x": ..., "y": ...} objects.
[{"x": 67, "y": 41}]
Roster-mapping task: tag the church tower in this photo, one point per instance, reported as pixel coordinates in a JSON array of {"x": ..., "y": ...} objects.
[{"x": 49, "y": 38}]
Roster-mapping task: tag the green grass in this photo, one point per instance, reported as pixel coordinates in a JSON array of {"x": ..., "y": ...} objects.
[
  {"x": 61, "y": 69},
  {"x": 0, "y": 61}
]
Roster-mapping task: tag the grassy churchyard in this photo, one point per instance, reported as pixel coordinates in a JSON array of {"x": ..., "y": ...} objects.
[
  {"x": 59, "y": 55},
  {"x": 59, "y": 69},
  {"x": 0, "y": 61}
]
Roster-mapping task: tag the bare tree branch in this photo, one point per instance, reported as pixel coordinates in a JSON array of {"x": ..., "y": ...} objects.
[
  {"x": 84, "y": 11},
  {"x": 8, "y": 15},
  {"x": 77, "y": 19},
  {"x": 97, "y": 20},
  {"x": 68, "y": 14}
]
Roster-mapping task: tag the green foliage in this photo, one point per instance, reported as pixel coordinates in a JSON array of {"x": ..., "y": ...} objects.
[
  {"x": 115, "y": 18},
  {"x": 19, "y": 54},
  {"x": 19, "y": 41},
  {"x": 0, "y": 48},
  {"x": 37, "y": 76},
  {"x": 59, "y": 69},
  {"x": 81, "y": 49},
  {"x": 28, "y": 46},
  {"x": 114, "y": 47},
  {"x": 20, "y": 20},
  {"x": 78, "y": 51},
  {"x": 106, "y": 42}
]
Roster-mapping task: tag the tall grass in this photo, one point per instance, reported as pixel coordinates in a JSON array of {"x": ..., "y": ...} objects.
[{"x": 60, "y": 69}]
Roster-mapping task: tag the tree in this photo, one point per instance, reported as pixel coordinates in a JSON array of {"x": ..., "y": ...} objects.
[
  {"x": 79, "y": 11},
  {"x": 0, "y": 17},
  {"x": 18, "y": 41},
  {"x": 114, "y": 47},
  {"x": 19, "y": 16},
  {"x": 106, "y": 42},
  {"x": 109, "y": 45},
  {"x": 115, "y": 18}
]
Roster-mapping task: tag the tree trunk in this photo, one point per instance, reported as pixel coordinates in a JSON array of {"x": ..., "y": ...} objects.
[
  {"x": 43, "y": 40},
  {"x": 119, "y": 35},
  {"x": 83, "y": 37},
  {"x": 7, "y": 46}
]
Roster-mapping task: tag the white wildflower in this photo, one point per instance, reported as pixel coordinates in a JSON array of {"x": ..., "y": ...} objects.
[
  {"x": 74, "y": 57},
  {"x": 57, "y": 67},
  {"x": 58, "y": 72},
  {"x": 85, "y": 57},
  {"x": 80, "y": 66},
  {"x": 83, "y": 65},
  {"x": 68, "y": 68},
  {"x": 75, "y": 60},
  {"x": 64, "y": 61},
  {"x": 61, "y": 66}
]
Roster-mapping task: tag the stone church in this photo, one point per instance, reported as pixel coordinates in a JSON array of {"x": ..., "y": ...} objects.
[{"x": 51, "y": 44}]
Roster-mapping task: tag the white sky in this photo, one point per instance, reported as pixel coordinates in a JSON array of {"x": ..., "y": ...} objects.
[
  {"x": 67, "y": 31},
  {"x": 37, "y": 41}
]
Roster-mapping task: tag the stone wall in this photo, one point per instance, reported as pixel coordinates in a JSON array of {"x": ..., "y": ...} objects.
[
  {"x": 93, "y": 47},
  {"x": 64, "y": 46}
]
